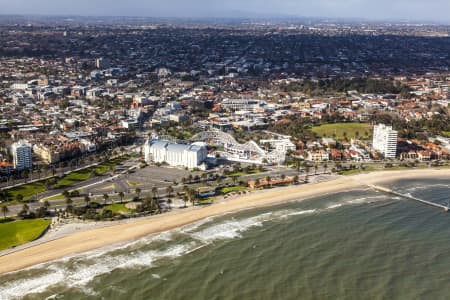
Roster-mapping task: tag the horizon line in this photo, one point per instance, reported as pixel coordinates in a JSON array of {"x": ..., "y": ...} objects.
[{"x": 238, "y": 17}]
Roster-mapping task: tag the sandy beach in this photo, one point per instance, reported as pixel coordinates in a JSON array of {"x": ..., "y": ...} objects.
[{"x": 100, "y": 237}]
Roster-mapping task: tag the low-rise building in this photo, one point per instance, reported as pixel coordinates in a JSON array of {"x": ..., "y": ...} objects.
[{"x": 177, "y": 155}]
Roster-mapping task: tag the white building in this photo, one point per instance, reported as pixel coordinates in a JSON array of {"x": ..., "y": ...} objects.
[
  {"x": 385, "y": 140},
  {"x": 281, "y": 145},
  {"x": 251, "y": 105},
  {"x": 22, "y": 157},
  {"x": 129, "y": 124},
  {"x": 177, "y": 155}
]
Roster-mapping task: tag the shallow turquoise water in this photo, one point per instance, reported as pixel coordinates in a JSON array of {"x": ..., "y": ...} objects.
[{"x": 353, "y": 245}]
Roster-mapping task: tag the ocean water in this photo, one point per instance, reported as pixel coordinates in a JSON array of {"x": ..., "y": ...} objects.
[{"x": 358, "y": 244}]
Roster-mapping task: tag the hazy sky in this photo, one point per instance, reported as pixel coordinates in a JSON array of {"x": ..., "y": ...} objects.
[{"x": 433, "y": 10}]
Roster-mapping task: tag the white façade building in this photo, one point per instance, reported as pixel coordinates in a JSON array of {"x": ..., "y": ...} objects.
[
  {"x": 251, "y": 105},
  {"x": 22, "y": 156},
  {"x": 177, "y": 155},
  {"x": 385, "y": 140}
]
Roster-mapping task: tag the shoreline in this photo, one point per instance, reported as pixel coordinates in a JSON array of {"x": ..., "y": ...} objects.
[{"x": 96, "y": 238}]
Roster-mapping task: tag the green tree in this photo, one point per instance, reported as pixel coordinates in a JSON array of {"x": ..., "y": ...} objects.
[
  {"x": 5, "y": 210},
  {"x": 138, "y": 192},
  {"x": 185, "y": 199},
  {"x": 66, "y": 194},
  {"x": 105, "y": 198},
  {"x": 121, "y": 196},
  {"x": 19, "y": 197},
  {"x": 169, "y": 191}
]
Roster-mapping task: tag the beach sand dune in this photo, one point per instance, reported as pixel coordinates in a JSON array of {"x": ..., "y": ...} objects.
[{"x": 100, "y": 237}]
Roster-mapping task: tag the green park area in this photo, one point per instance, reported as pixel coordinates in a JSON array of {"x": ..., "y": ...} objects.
[
  {"x": 118, "y": 208},
  {"x": 446, "y": 133},
  {"x": 73, "y": 178},
  {"x": 26, "y": 191},
  {"x": 340, "y": 131},
  {"x": 238, "y": 188},
  {"x": 16, "y": 233},
  {"x": 29, "y": 190}
]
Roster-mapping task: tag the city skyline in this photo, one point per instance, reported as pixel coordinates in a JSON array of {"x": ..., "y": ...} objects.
[{"x": 415, "y": 10}]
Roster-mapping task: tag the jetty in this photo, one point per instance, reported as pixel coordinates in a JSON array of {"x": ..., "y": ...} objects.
[{"x": 409, "y": 197}]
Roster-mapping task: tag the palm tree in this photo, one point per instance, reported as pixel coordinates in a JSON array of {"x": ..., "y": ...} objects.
[
  {"x": 307, "y": 169},
  {"x": 3, "y": 196},
  {"x": 316, "y": 166},
  {"x": 66, "y": 194},
  {"x": 105, "y": 198},
  {"x": 112, "y": 168},
  {"x": 203, "y": 177},
  {"x": 5, "y": 210},
  {"x": 61, "y": 167},
  {"x": 46, "y": 204},
  {"x": 169, "y": 191},
  {"x": 138, "y": 192},
  {"x": 155, "y": 191},
  {"x": 25, "y": 208},
  {"x": 169, "y": 201},
  {"x": 87, "y": 200},
  {"x": 191, "y": 195},
  {"x": 121, "y": 196},
  {"x": 325, "y": 167},
  {"x": 24, "y": 175},
  {"x": 19, "y": 197},
  {"x": 155, "y": 203},
  {"x": 185, "y": 199}
]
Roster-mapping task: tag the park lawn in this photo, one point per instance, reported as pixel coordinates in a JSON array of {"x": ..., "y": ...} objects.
[
  {"x": 134, "y": 183},
  {"x": 227, "y": 190},
  {"x": 20, "y": 232},
  {"x": 73, "y": 178},
  {"x": 239, "y": 174},
  {"x": 446, "y": 133},
  {"x": 28, "y": 191},
  {"x": 101, "y": 169},
  {"x": 55, "y": 197},
  {"x": 104, "y": 167},
  {"x": 328, "y": 130},
  {"x": 355, "y": 171},
  {"x": 118, "y": 208}
]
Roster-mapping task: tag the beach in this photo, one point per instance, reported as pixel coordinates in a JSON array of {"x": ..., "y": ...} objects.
[{"x": 91, "y": 239}]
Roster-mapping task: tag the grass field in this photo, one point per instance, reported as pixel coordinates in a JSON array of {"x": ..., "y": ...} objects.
[
  {"x": 239, "y": 174},
  {"x": 55, "y": 197},
  {"x": 74, "y": 177},
  {"x": 85, "y": 174},
  {"x": 20, "y": 232},
  {"x": 227, "y": 190},
  {"x": 27, "y": 190},
  {"x": 133, "y": 183},
  {"x": 118, "y": 208},
  {"x": 338, "y": 130}
]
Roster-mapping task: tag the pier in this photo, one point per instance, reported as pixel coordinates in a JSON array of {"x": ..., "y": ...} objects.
[{"x": 409, "y": 197}]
